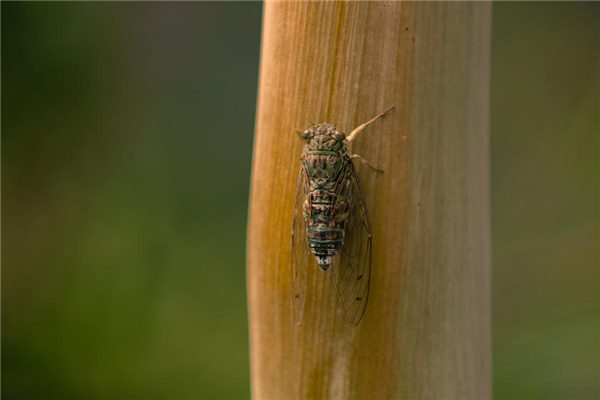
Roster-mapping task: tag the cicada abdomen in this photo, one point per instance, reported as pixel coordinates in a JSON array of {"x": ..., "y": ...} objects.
[{"x": 331, "y": 224}]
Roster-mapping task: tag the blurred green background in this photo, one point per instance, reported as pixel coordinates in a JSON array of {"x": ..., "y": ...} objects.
[{"x": 126, "y": 150}]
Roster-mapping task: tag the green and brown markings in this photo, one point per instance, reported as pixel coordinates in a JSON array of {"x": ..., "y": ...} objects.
[{"x": 331, "y": 220}]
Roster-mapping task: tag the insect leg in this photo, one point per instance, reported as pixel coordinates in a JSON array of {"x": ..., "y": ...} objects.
[
  {"x": 362, "y": 160},
  {"x": 361, "y": 127}
]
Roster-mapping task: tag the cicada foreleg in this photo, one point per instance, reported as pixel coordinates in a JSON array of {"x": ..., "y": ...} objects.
[{"x": 362, "y": 160}]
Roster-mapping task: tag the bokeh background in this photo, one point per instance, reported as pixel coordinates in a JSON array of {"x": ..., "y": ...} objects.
[{"x": 126, "y": 151}]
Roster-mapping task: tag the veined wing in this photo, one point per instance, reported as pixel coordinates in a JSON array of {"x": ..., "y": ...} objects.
[
  {"x": 352, "y": 270},
  {"x": 301, "y": 255}
]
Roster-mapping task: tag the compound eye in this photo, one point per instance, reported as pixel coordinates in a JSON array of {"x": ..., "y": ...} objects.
[
  {"x": 303, "y": 135},
  {"x": 340, "y": 136}
]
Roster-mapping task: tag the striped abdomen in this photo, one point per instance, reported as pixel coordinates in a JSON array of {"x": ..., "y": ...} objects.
[{"x": 325, "y": 213}]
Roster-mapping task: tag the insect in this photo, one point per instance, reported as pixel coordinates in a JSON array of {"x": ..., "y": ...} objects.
[{"x": 331, "y": 224}]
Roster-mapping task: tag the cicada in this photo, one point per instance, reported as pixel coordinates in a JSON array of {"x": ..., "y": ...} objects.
[{"x": 331, "y": 224}]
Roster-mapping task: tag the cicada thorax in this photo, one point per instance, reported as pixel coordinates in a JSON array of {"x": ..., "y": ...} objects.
[{"x": 327, "y": 203}]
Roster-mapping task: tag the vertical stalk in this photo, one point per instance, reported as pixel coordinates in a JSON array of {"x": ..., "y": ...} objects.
[{"x": 426, "y": 330}]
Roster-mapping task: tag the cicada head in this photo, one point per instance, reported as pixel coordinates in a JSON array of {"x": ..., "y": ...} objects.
[{"x": 324, "y": 137}]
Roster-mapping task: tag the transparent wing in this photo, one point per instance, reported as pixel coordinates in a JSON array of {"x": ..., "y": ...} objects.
[
  {"x": 352, "y": 270},
  {"x": 301, "y": 255}
]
